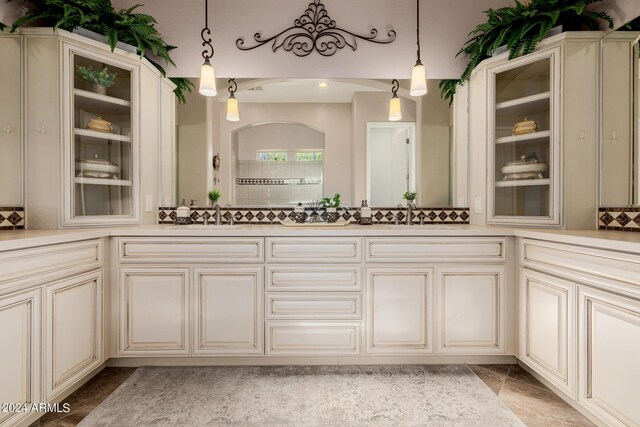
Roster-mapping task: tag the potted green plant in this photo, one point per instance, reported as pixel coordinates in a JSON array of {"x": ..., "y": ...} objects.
[
  {"x": 409, "y": 197},
  {"x": 214, "y": 196},
  {"x": 331, "y": 206},
  {"x": 100, "y": 79},
  {"x": 519, "y": 28},
  {"x": 128, "y": 26}
]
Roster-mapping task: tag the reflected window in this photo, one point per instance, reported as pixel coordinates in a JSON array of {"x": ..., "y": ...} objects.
[
  {"x": 309, "y": 156},
  {"x": 273, "y": 156}
]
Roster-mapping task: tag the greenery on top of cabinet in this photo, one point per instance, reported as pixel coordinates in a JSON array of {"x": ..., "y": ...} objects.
[
  {"x": 99, "y": 16},
  {"x": 520, "y": 28}
]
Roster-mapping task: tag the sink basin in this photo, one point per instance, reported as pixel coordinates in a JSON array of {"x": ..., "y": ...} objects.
[
  {"x": 207, "y": 227},
  {"x": 417, "y": 226}
]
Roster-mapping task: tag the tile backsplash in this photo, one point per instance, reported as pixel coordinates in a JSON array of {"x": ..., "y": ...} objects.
[
  {"x": 11, "y": 218},
  {"x": 265, "y": 215},
  {"x": 621, "y": 219}
]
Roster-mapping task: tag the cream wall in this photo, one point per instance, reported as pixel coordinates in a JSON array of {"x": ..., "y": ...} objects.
[
  {"x": 373, "y": 107},
  {"x": 334, "y": 120}
]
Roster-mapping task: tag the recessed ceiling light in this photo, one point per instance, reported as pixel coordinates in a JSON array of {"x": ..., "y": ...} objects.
[{"x": 323, "y": 85}]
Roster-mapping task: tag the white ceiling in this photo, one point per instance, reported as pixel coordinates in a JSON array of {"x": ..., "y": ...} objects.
[
  {"x": 302, "y": 91},
  {"x": 445, "y": 25}
]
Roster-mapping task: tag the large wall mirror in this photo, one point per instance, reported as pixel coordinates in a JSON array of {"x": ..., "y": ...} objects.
[
  {"x": 10, "y": 125},
  {"x": 299, "y": 140},
  {"x": 620, "y": 154}
]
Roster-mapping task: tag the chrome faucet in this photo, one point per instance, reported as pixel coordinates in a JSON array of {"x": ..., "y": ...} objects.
[
  {"x": 410, "y": 207},
  {"x": 218, "y": 220}
]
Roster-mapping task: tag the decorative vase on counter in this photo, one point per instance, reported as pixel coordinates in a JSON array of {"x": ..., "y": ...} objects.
[{"x": 332, "y": 215}]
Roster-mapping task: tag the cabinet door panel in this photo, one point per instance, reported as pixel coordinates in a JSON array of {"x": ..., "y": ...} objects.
[
  {"x": 74, "y": 330},
  {"x": 610, "y": 350},
  {"x": 471, "y": 309},
  {"x": 155, "y": 307},
  {"x": 228, "y": 311},
  {"x": 547, "y": 328},
  {"x": 400, "y": 310},
  {"x": 19, "y": 352}
]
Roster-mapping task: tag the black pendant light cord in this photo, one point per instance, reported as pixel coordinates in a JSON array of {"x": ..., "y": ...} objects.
[
  {"x": 207, "y": 53},
  {"x": 418, "y": 62},
  {"x": 232, "y": 88},
  {"x": 395, "y": 86}
]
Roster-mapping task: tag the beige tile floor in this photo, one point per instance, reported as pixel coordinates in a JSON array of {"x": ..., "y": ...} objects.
[{"x": 529, "y": 399}]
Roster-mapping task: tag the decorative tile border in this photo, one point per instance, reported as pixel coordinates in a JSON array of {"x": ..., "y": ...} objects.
[
  {"x": 251, "y": 215},
  {"x": 11, "y": 218},
  {"x": 620, "y": 219},
  {"x": 278, "y": 181}
]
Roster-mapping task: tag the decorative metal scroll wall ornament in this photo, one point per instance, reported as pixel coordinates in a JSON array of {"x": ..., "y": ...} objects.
[{"x": 315, "y": 30}]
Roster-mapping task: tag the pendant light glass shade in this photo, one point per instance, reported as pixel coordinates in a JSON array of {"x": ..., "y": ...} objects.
[
  {"x": 418, "y": 80},
  {"x": 419, "y": 72},
  {"x": 208, "y": 79},
  {"x": 233, "y": 114},
  {"x": 395, "y": 109}
]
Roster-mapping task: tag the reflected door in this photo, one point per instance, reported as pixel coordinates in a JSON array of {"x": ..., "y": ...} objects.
[{"x": 390, "y": 162}]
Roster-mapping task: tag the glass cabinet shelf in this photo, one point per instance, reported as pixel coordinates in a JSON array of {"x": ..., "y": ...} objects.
[
  {"x": 102, "y": 163},
  {"x": 521, "y": 142}
]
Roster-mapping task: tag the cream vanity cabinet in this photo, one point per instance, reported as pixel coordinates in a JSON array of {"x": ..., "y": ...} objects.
[
  {"x": 313, "y": 299},
  {"x": 189, "y": 296},
  {"x": 580, "y": 325},
  {"x": 449, "y": 299},
  {"x": 542, "y": 173},
  {"x": 92, "y": 141},
  {"x": 548, "y": 327},
  {"x": 51, "y": 311},
  {"x": 20, "y": 370}
]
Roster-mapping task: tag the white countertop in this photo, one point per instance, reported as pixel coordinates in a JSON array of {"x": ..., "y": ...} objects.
[{"x": 613, "y": 240}]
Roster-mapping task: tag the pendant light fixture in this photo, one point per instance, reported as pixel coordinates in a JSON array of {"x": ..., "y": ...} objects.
[
  {"x": 419, "y": 72},
  {"x": 233, "y": 114},
  {"x": 207, "y": 72},
  {"x": 395, "y": 109}
]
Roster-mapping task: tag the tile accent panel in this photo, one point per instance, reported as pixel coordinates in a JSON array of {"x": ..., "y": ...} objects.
[
  {"x": 11, "y": 218},
  {"x": 262, "y": 215},
  {"x": 620, "y": 219}
]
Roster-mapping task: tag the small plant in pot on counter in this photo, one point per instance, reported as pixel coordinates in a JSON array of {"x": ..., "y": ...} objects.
[
  {"x": 100, "y": 79},
  {"x": 332, "y": 205},
  {"x": 214, "y": 196},
  {"x": 409, "y": 197}
]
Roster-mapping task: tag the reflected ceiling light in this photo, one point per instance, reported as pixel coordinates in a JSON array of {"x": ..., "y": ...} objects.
[
  {"x": 419, "y": 72},
  {"x": 395, "y": 108},
  {"x": 207, "y": 72},
  {"x": 323, "y": 85},
  {"x": 233, "y": 114}
]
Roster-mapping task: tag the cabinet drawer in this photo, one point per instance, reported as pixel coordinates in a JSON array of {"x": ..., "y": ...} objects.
[
  {"x": 320, "y": 305},
  {"x": 317, "y": 338},
  {"x": 69, "y": 257},
  {"x": 578, "y": 260},
  {"x": 479, "y": 249},
  {"x": 314, "y": 249},
  {"x": 325, "y": 278},
  {"x": 198, "y": 250}
]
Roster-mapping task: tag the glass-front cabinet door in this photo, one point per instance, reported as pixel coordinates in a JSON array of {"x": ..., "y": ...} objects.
[
  {"x": 524, "y": 141},
  {"x": 101, "y": 155}
]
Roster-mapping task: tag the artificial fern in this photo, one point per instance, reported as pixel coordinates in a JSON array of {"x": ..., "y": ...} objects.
[
  {"x": 520, "y": 28},
  {"x": 183, "y": 86},
  {"x": 99, "y": 16}
]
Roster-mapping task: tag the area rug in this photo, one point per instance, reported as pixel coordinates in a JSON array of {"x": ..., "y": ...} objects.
[{"x": 424, "y": 395}]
